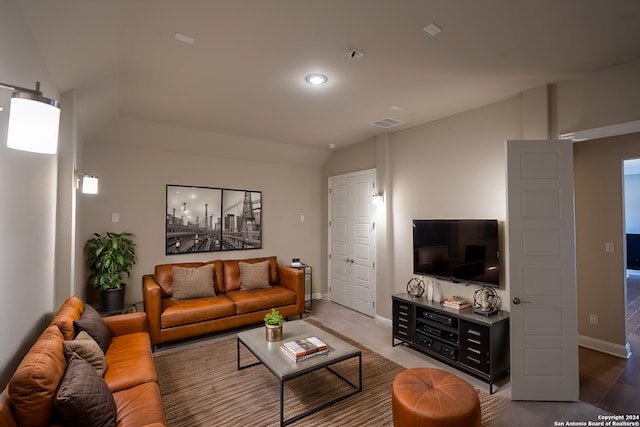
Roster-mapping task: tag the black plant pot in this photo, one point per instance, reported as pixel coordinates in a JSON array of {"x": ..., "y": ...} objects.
[{"x": 113, "y": 299}]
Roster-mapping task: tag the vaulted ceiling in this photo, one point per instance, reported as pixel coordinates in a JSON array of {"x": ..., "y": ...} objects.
[{"x": 244, "y": 73}]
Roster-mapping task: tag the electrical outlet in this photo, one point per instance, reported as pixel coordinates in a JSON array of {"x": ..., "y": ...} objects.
[
  {"x": 609, "y": 247},
  {"x": 593, "y": 318}
]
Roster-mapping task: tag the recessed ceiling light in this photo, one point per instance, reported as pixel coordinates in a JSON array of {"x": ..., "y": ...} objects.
[
  {"x": 432, "y": 29},
  {"x": 332, "y": 146},
  {"x": 316, "y": 79}
]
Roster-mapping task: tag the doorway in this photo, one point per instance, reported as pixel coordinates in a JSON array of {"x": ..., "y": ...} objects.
[
  {"x": 631, "y": 200},
  {"x": 352, "y": 243}
]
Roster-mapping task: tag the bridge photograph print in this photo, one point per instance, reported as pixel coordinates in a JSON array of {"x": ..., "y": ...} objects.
[{"x": 204, "y": 219}]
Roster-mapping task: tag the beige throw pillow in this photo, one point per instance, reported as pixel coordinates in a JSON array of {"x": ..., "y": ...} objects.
[
  {"x": 88, "y": 349},
  {"x": 254, "y": 276},
  {"x": 193, "y": 282}
]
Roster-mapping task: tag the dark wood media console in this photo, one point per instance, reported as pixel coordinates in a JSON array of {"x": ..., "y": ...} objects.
[{"x": 475, "y": 344}]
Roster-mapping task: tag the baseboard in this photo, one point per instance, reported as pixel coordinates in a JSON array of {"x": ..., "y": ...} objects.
[
  {"x": 623, "y": 351},
  {"x": 384, "y": 321}
]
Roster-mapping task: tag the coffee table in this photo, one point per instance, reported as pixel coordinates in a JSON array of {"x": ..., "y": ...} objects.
[{"x": 285, "y": 369}]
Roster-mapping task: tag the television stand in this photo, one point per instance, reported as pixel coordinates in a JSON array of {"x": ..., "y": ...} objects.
[{"x": 473, "y": 343}]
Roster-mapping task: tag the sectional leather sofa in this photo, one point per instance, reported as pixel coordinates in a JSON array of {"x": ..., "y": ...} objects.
[
  {"x": 232, "y": 300},
  {"x": 58, "y": 383}
]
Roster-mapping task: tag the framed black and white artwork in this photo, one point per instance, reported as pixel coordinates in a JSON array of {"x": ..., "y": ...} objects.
[{"x": 204, "y": 219}]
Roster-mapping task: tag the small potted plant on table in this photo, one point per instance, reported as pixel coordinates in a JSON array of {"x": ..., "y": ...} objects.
[
  {"x": 273, "y": 322},
  {"x": 109, "y": 256}
]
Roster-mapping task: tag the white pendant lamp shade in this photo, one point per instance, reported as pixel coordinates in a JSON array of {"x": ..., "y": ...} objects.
[
  {"x": 33, "y": 123},
  {"x": 90, "y": 184}
]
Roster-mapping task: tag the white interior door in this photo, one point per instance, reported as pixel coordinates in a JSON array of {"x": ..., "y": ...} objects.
[
  {"x": 340, "y": 231},
  {"x": 352, "y": 245},
  {"x": 542, "y": 272}
]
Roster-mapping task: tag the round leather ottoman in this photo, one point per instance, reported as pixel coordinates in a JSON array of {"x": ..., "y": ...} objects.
[{"x": 429, "y": 397}]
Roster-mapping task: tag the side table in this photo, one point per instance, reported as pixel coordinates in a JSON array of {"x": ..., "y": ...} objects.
[
  {"x": 308, "y": 278},
  {"x": 128, "y": 308}
]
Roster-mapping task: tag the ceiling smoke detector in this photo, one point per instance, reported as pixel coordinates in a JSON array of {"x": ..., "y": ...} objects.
[
  {"x": 355, "y": 54},
  {"x": 387, "y": 122}
]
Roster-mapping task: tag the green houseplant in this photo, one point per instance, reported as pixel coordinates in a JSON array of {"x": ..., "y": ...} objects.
[
  {"x": 273, "y": 322},
  {"x": 109, "y": 256}
]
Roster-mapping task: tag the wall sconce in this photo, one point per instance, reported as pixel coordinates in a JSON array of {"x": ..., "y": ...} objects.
[
  {"x": 33, "y": 120},
  {"x": 89, "y": 183},
  {"x": 378, "y": 198}
]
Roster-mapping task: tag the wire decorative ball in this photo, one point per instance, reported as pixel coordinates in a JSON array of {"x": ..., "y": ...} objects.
[
  {"x": 415, "y": 287},
  {"x": 485, "y": 299}
]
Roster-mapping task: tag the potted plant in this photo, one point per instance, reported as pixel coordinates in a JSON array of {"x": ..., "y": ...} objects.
[
  {"x": 273, "y": 322},
  {"x": 109, "y": 256}
]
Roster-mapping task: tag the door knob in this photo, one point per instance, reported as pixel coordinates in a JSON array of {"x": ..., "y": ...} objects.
[{"x": 516, "y": 300}]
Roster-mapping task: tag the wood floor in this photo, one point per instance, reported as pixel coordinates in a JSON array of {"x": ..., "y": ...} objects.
[{"x": 609, "y": 382}]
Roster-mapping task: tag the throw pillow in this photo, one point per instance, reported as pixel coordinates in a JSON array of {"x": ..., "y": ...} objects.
[
  {"x": 254, "y": 275},
  {"x": 84, "y": 399},
  {"x": 91, "y": 322},
  {"x": 88, "y": 349},
  {"x": 193, "y": 282}
]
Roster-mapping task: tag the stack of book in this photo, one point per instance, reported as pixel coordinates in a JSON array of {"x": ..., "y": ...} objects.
[
  {"x": 303, "y": 349},
  {"x": 456, "y": 303}
]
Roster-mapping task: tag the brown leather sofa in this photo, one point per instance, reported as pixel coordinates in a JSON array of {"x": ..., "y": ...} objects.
[
  {"x": 170, "y": 319},
  {"x": 30, "y": 396}
]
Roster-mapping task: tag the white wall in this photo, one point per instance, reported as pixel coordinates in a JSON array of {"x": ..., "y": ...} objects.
[
  {"x": 599, "y": 219},
  {"x": 28, "y": 200},
  {"x": 133, "y": 179},
  {"x": 454, "y": 168},
  {"x": 451, "y": 168}
]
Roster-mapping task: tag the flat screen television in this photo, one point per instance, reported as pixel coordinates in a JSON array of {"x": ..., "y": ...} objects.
[{"x": 459, "y": 250}]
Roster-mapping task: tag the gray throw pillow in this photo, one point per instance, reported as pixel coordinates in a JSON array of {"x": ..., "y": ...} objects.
[
  {"x": 91, "y": 322},
  {"x": 193, "y": 282},
  {"x": 88, "y": 349},
  {"x": 254, "y": 276},
  {"x": 83, "y": 398}
]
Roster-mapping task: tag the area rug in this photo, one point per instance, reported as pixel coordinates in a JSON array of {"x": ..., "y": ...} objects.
[{"x": 201, "y": 386}]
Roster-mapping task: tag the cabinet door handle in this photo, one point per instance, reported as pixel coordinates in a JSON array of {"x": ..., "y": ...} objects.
[
  {"x": 474, "y": 350},
  {"x": 474, "y": 341},
  {"x": 474, "y": 332},
  {"x": 473, "y": 359}
]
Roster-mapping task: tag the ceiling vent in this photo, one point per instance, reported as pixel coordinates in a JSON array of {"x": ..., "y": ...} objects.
[{"x": 387, "y": 122}]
